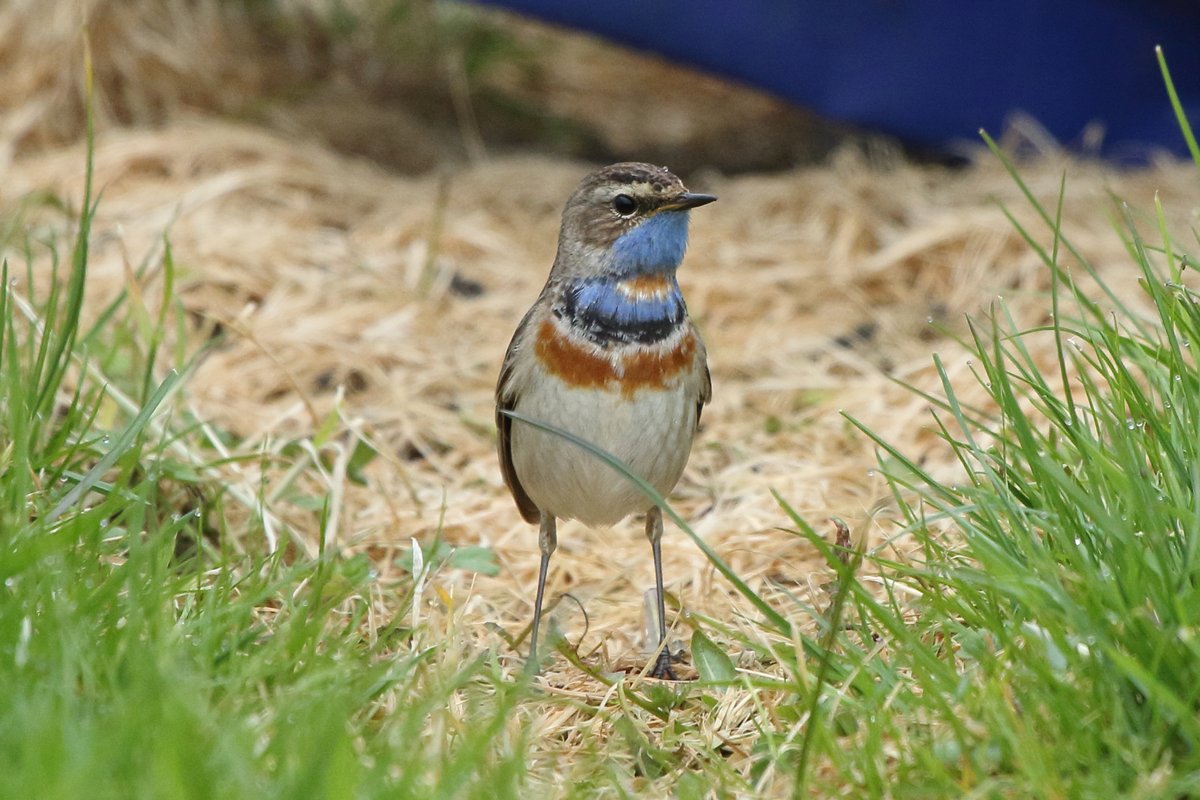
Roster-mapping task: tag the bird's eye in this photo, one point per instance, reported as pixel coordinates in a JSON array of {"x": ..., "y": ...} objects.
[{"x": 624, "y": 205}]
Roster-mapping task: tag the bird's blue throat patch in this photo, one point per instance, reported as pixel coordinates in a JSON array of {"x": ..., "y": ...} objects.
[
  {"x": 656, "y": 245},
  {"x": 615, "y": 310}
]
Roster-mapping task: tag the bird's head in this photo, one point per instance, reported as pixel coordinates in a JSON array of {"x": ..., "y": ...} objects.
[{"x": 624, "y": 220}]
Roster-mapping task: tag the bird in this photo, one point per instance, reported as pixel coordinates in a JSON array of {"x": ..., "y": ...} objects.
[{"x": 607, "y": 352}]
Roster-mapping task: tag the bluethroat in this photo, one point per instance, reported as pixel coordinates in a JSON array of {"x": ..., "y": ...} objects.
[{"x": 607, "y": 353}]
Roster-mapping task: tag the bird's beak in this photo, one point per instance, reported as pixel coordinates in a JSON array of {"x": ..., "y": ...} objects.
[{"x": 687, "y": 200}]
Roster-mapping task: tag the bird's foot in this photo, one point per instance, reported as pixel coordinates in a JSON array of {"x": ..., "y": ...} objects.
[{"x": 662, "y": 667}]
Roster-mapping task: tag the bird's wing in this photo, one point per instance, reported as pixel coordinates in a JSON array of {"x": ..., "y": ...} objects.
[
  {"x": 705, "y": 386},
  {"x": 506, "y": 399}
]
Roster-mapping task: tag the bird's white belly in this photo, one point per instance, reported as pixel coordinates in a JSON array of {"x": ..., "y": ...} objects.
[{"x": 650, "y": 431}]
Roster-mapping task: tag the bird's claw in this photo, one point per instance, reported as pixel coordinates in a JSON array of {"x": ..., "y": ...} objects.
[{"x": 662, "y": 667}]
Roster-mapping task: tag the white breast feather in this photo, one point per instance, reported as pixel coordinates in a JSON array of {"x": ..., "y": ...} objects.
[{"x": 651, "y": 432}]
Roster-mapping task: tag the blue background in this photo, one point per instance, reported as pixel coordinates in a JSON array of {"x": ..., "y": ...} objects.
[{"x": 936, "y": 71}]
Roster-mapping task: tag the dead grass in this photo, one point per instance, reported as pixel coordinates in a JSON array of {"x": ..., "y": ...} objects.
[
  {"x": 814, "y": 289},
  {"x": 342, "y": 287}
]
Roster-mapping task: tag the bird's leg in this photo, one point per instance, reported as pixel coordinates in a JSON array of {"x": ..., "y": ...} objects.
[
  {"x": 654, "y": 532},
  {"x": 547, "y": 541}
]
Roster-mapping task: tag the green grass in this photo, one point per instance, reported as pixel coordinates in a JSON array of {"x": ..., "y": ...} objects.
[
  {"x": 142, "y": 655},
  {"x": 1054, "y": 651},
  {"x": 1042, "y": 640}
]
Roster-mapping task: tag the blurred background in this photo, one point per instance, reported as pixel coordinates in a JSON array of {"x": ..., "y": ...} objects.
[
  {"x": 411, "y": 84},
  {"x": 932, "y": 73}
]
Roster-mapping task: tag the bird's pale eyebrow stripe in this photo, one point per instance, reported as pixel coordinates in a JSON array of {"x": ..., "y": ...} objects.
[{"x": 578, "y": 366}]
